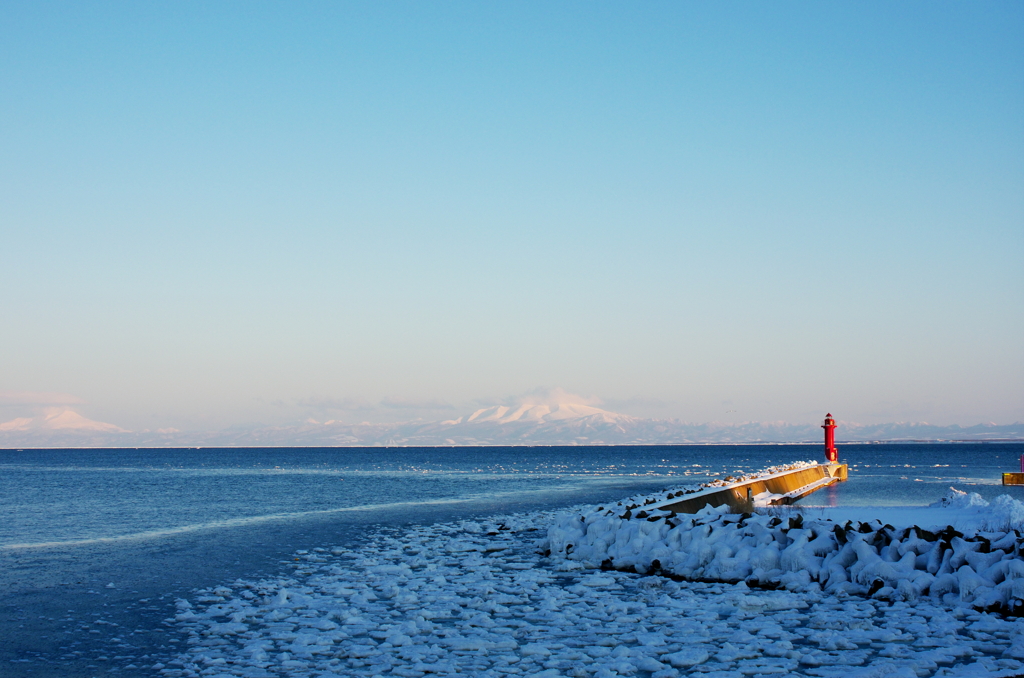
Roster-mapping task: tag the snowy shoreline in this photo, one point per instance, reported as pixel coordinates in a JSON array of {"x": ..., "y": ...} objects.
[{"x": 509, "y": 597}]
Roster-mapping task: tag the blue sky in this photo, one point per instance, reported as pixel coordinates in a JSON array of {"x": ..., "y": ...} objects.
[{"x": 249, "y": 213}]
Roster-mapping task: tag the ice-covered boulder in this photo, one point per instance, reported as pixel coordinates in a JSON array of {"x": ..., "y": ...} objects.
[{"x": 782, "y": 548}]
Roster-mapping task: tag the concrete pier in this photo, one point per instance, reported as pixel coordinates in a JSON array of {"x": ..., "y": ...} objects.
[{"x": 775, "y": 490}]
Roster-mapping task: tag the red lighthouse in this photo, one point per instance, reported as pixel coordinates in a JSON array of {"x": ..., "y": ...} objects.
[{"x": 831, "y": 453}]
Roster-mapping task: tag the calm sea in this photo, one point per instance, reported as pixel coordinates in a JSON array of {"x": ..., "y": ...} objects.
[
  {"x": 66, "y": 497},
  {"x": 117, "y": 534}
]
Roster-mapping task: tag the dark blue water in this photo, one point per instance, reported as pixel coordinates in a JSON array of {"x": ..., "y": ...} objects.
[
  {"x": 57, "y": 497},
  {"x": 62, "y": 497},
  {"x": 118, "y": 534}
]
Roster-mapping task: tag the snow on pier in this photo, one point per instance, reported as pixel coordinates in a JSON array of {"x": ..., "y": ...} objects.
[{"x": 775, "y": 486}]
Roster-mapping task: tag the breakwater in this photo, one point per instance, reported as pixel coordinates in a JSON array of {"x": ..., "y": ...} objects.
[
  {"x": 741, "y": 495},
  {"x": 982, "y": 568}
]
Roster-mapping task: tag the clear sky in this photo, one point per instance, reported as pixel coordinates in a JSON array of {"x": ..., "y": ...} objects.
[{"x": 220, "y": 214}]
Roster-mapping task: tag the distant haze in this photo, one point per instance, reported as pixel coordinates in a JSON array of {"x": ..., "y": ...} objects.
[
  {"x": 243, "y": 217},
  {"x": 541, "y": 418}
]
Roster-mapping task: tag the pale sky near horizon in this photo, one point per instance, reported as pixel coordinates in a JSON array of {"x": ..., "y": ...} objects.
[{"x": 250, "y": 213}]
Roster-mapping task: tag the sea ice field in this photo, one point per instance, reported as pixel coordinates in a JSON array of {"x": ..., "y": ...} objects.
[
  {"x": 478, "y": 598},
  {"x": 426, "y": 562}
]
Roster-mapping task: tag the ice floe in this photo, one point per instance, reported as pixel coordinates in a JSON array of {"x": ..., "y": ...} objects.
[
  {"x": 442, "y": 601},
  {"x": 525, "y": 595}
]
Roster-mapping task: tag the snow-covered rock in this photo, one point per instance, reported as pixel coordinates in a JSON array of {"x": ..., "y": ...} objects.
[{"x": 783, "y": 548}]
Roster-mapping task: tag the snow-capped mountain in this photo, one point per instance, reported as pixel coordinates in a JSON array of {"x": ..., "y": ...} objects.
[
  {"x": 552, "y": 418},
  {"x": 536, "y": 413},
  {"x": 61, "y": 427},
  {"x": 58, "y": 419}
]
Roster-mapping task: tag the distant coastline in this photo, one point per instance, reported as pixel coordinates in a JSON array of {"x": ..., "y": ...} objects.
[{"x": 816, "y": 443}]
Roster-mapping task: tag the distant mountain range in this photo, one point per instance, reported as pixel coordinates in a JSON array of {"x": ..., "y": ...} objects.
[{"x": 527, "y": 423}]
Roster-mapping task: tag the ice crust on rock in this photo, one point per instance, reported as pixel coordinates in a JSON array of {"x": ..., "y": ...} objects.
[
  {"x": 481, "y": 599},
  {"x": 958, "y": 499},
  {"x": 980, "y": 567},
  {"x": 1003, "y": 513}
]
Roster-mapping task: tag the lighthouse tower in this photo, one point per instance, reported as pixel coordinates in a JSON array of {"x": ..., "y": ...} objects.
[{"x": 831, "y": 453}]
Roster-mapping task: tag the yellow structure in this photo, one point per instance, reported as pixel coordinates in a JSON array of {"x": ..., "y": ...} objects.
[{"x": 785, "y": 488}]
